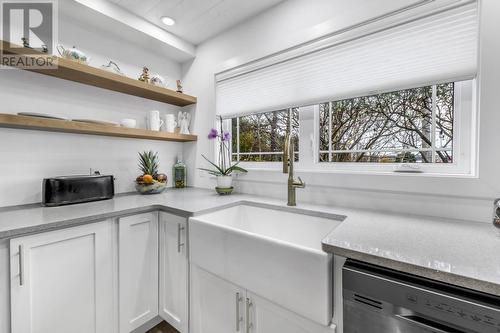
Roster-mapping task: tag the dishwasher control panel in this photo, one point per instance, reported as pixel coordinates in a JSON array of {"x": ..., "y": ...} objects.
[{"x": 463, "y": 313}]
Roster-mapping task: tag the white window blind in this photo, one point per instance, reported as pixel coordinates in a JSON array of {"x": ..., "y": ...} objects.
[{"x": 438, "y": 48}]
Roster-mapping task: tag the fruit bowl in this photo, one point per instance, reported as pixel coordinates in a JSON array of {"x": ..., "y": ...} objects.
[{"x": 150, "y": 188}]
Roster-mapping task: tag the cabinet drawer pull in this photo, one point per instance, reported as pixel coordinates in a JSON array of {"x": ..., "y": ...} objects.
[
  {"x": 21, "y": 265},
  {"x": 180, "y": 228},
  {"x": 249, "y": 323},
  {"x": 239, "y": 319}
]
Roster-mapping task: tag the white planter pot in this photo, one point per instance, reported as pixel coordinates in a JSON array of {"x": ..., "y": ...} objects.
[{"x": 224, "y": 181}]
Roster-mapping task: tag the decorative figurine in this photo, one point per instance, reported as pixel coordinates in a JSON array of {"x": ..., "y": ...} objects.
[
  {"x": 145, "y": 75},
  {"x": 183, "y": 120},
  {"x": 26, "y": 44},
  {"x": 179, "y": 86}
]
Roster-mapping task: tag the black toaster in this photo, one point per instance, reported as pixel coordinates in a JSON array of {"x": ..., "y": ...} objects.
[{"x": 68, "y": 190}]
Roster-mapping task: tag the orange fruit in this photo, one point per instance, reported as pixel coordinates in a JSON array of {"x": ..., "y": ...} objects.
[{"x": 148, "y": 179}]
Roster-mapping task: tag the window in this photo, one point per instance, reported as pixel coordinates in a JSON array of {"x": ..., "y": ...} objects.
[
  {"x": 260, "y": 137},
  {"x": 432, "y": 126},
  {"x": 398, "y": 88},
  {"x": 412, "y": 126}
]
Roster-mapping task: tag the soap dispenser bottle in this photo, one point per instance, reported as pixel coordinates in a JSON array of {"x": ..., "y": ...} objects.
[{"x": 179, "y": 173}]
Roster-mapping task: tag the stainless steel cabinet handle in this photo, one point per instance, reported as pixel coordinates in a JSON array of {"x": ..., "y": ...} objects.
[
  {"x": 416, "y": 321},
  {"x": 249, "y": 323},
  {"x": 21, "y": 265},
  {"x": 238, "y": 317},
  {"x": 180, "y": 228}
]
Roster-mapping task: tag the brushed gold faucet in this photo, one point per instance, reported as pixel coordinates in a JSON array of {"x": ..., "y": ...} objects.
[{"x": 288, "y": 159}]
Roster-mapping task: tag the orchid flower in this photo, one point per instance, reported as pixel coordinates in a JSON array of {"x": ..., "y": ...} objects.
[{"x": 213, "y": 134}]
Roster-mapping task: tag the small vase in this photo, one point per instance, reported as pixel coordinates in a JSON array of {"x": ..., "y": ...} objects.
[{"x": 224, "y": 181}]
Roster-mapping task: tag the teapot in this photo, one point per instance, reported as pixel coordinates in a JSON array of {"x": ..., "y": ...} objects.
[{"x": 73, "y": 54}]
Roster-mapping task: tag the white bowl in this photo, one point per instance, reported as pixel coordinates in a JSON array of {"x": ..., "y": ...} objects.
[{"x": 129, "y": 123}]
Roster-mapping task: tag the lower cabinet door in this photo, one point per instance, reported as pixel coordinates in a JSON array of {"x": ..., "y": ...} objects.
[
  {"x": 217, "y": 306},
  {"x": 267, "y": 317},
  {"x": 62, "y": 281},
  {"x": 174, "y": 271},
  {"x": 138, "y": 270}
]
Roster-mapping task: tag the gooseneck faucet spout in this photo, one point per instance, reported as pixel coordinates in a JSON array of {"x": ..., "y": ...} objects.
[{"x": 288, "y": 159}]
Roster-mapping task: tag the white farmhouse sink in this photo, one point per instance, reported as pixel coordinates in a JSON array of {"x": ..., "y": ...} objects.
[{"x": 273, "y": 253}]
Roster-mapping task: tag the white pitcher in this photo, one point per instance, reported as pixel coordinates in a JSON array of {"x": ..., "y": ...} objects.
[
  {"x": 170, "y": 123},
  {"x": 154, "y": 121}
]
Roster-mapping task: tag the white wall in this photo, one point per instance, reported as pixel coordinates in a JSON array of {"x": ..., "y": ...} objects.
[
  {"x": 297, "y": 21},
  {"x": 26, "y": 157}
]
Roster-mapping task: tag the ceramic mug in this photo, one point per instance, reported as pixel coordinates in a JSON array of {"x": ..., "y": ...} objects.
[
  {"x": 154, "y": 121},
  {"x": 170, "y": 123},
  {"x": 128, "y": 123}
]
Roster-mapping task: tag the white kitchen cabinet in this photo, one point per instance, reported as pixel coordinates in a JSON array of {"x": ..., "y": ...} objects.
[
  {"x": 267, "y": 317},
  {"x": 216, "y": 303},
  {"x": 137, "y": 270},
  {"x": 62, "y": 281},
  {"x": 173, "y": 295},
  {"x": 217, "y": 306},
  {"x": 4, "y": 285}
]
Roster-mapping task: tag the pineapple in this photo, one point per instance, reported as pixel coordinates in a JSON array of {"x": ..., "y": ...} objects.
[{"x": 148, "y": 163}]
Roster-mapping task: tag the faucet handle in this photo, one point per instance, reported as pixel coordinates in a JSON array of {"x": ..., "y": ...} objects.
[{"x": 299, "y": 183}]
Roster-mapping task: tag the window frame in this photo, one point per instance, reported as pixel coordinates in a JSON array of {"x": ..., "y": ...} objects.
[{"x": 464, "y": 143}]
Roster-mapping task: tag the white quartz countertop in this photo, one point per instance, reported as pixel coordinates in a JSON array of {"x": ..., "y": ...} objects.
[
  {"x": 463, "y": 253},
  {"x": 15, "y": 221}
]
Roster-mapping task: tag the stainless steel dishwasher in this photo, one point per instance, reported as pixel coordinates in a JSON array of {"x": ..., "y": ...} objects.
[{"x": 380, "y": 300}]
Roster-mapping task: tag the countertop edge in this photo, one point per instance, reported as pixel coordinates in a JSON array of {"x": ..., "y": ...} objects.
[
  {"x": 19, "y": 232},
  {"x": 451, "y": 278},
  {"x": 66, "y": 223}
]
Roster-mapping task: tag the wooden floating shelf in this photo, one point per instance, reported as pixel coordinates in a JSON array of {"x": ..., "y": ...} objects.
[
  {"x": 66, "y": 126},
  {"x": 74, "y": 71}
]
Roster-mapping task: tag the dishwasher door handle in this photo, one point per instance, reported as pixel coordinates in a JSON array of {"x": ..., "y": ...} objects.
[{"x": 427, "y": 324}]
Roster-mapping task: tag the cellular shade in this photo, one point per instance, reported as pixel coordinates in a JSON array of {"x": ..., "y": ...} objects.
[{"x": 438, "y": 48}]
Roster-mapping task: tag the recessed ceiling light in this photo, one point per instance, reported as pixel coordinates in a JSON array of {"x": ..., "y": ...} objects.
[{"x": 167, "y": 20}]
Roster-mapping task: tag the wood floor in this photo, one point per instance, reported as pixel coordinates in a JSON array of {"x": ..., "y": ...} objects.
[{"x": 163, "y": 327}]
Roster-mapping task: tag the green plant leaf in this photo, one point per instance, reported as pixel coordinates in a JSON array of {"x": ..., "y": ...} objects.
[
  {"x": 214, "y": 165},
  {"x": 238, "y": 169},
  {"x": 212, "y": 172},
  {"x": 235, "y": 167}
]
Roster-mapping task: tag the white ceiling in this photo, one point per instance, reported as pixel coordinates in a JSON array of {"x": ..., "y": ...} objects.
[{"x": 196, "y": 20}]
